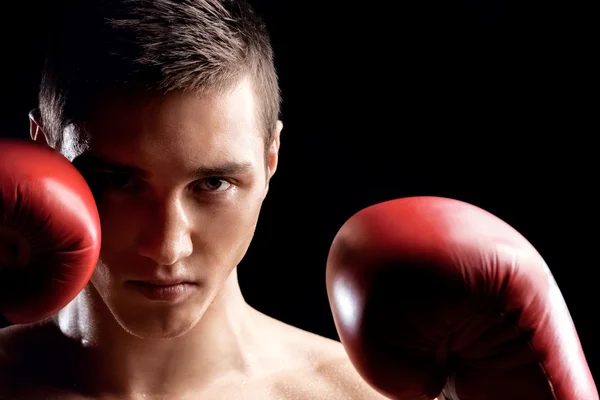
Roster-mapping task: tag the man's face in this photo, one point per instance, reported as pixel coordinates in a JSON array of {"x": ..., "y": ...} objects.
[{"x": 184, "y": 207}]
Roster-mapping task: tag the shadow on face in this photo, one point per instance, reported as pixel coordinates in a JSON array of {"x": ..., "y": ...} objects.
[{"x": 179, "y": 181}]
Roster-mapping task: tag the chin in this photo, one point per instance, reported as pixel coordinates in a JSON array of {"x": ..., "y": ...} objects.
[
  {"x": 159, "y": 322},
  {"x": 147, "y": 319}
]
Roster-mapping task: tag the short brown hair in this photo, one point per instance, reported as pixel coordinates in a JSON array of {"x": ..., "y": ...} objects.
[{"x": 97, "y": 47}]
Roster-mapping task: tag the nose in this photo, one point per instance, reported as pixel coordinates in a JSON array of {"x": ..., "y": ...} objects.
[{"x": 166, "y": 237}]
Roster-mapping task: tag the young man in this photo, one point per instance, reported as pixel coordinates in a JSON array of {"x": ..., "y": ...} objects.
[{"x": 170, "y": 111}]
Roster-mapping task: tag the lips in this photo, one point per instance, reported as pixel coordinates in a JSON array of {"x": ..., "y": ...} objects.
[
  {"x": 170, "y": 282},
  {"x": 173, "y": 290}
]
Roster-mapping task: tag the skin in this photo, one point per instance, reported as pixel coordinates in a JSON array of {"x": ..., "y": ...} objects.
[{"x": 113, "y": 343}]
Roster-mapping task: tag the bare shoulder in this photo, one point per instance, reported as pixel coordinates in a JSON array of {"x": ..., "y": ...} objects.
[
  {"x": 16, "y": 338},
  {"x": 339, "y": 378},
  {"x": 329, "y": 373},
  {"x": 24, "y": 359},
  {"x": 323, "y": 371},
  {"x": 10, "y": 338}
]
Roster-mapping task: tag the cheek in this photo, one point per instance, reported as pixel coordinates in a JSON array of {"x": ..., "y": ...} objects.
[
  {"x": 120, "y": 221},
  {"x": 101, "y": 277},
  {"x": 231, "y": 224}
]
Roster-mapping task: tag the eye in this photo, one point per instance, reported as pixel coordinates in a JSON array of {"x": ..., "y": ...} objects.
[
  {"x": 214, "y": 185},
  {"x": 118, "y": 180},
  {"x": 114, "y": 180}
]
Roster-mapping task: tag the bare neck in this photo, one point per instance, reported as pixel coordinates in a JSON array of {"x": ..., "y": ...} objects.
[{"x": 230, "y": 342}]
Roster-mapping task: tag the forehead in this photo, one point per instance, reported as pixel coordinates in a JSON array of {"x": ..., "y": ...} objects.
[{"x": 179, "y": 126}]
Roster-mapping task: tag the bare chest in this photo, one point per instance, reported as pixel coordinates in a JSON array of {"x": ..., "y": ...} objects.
[
  {"x": 254, "y": 393},
  {"x": 281, "y": 388}
]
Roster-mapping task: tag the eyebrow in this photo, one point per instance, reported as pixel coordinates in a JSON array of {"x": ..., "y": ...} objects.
[
  {"x": 89, "y": 162},
  {"x": 228, "y": 168}
]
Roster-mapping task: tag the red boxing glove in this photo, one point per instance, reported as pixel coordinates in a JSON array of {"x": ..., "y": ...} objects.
[
  {"x": 49, "y": 232},
  {"x": 433, "y": 295}
]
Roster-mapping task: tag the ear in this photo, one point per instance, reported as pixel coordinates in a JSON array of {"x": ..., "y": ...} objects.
[
  {"x": 35, "y": 128},
  {"x": 273, "y": 153}
]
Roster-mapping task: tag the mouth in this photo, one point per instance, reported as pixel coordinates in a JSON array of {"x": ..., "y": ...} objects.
[
  {"x": 170, "y": 291},
  {"x": 170, "y": 282}
]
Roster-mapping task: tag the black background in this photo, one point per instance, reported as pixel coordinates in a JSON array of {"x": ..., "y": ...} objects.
[{"x": 484, "y": 101}]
